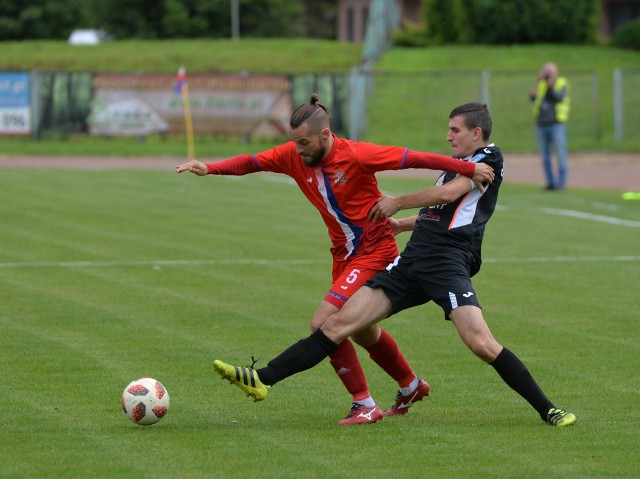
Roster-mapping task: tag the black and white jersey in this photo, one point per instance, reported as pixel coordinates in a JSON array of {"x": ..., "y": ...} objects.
[{"x": 457, "y": 228}]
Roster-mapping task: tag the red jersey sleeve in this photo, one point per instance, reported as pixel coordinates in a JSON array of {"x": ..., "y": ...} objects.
[
  {"x": 378, "y": 158},
  {"x": 276, "y": 160},
  {"x": 433, "y": 161},
  {"x": 280, "y": 159},
  {"x": 238, "y": 165}
]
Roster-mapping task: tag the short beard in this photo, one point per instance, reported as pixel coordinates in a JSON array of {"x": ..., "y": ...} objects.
[{"x": 316, "y": 158}]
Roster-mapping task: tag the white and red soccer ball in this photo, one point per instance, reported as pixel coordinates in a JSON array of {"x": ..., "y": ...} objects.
[{"x": 145, "y": 401}]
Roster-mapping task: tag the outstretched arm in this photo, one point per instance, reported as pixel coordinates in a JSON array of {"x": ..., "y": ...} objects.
[
  {"x": 238, "y": 165},
  {"x": 435, "y": 195}
]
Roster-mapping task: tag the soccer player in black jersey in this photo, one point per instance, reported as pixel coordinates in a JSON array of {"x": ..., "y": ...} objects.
[{"x": 437, "y": 264}]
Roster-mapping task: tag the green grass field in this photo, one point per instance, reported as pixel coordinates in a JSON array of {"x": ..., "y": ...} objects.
[
  {"x": 199, "y": 56},
  {"x": 106, "y": 276}
]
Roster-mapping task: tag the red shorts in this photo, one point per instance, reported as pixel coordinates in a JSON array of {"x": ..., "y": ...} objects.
[{"x": 349, "y": 275}]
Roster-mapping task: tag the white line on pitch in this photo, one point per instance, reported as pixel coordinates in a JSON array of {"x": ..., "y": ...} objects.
[
  {"x": 266, "y": 262},
  {"x": 589, "y": 216},
  {"x": 177, "y": 262},
  {"x": 564, "y": 259}
]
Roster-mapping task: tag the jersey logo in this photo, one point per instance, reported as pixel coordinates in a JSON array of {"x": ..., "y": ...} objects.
[
  {"x": 310, "y": 180},
  {"x": 339, "y": 177},
  {"x": 367, "y": 415},
  {"x": 430, "y": 215},
  {"x": 409, "y": 401}
]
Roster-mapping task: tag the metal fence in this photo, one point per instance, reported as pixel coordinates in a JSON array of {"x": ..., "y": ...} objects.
[
  {"x": 405, "y": 108},
  {"x": 412, "y": 108},
  {"x": 61, "y": 101},
  {"x": 626, "y": 103}
]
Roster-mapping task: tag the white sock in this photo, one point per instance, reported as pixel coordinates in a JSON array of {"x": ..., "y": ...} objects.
[
  {"x": 411, "y": 387},
  {"x": 367, "y": 402}
]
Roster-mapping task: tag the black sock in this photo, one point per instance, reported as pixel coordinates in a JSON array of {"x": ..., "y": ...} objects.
[
  {"x": 299, "y": 357},
  {"x": 517, "y": 376}
]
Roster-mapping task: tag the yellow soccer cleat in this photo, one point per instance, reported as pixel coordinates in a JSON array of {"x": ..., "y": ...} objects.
[
  {"x": 245, "y": 378},
  {"x": 560, "y": 418}
]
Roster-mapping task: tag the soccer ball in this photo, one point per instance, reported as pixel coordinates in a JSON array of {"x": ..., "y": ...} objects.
[{"x": 145, "y": 401}]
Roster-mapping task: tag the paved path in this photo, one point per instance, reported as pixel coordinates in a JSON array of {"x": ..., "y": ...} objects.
[{"x": 612, "y": 171}]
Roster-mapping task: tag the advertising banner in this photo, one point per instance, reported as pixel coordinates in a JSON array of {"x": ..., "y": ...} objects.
[
  {"x": 234, "y": 105},
  {"x": 15, "y": 114}
]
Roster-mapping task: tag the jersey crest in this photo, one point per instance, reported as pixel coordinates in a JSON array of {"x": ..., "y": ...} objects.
[{"x": 339, "y": 177}]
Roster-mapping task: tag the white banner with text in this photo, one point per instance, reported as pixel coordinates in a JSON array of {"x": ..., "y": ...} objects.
[{"x": 234, "y": 105}]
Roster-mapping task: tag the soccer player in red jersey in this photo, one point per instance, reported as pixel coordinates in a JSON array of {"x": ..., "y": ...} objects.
[{"x": 338, "y": 177}]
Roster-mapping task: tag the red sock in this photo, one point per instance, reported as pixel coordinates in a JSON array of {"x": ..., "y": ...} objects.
[
  {"x": 386, "y": 354},
  {"x": 348, "y": 368}
]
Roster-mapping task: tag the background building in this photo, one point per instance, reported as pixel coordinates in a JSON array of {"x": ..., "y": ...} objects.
[{"x": 353, "y": 16}]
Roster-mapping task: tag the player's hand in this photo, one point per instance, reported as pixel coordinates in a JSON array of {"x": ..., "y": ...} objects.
[
  {"x": 194, "y": 166},
  {"x": 385, "y": 206},
  {"x": 395, "y": 226},
  {"x": 483, "y": 174}
]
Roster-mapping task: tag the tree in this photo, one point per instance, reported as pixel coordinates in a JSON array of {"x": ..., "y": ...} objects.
[
  {"x": 39, "y": 18},
  {"x": 163, "y": 19},
  {"x": 511, "y": 21}
]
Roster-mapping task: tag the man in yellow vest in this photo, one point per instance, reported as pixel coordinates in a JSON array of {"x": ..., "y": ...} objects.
[{"x": 551, "y": 101}]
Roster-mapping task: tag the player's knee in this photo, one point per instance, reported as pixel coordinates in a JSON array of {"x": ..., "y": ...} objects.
[
  {"x": 485, "y": 349},
  {"x": 335, "y": 328},
  {"x": 317, "y": 321}
]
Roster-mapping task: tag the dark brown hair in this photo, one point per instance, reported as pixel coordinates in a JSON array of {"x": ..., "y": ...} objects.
[
  {"x": 312, "y": 112},
  {"x": 476, "y": 115}
]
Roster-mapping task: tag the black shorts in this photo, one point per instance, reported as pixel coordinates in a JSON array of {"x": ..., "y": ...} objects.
[{"x": 412, "y": 282}]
